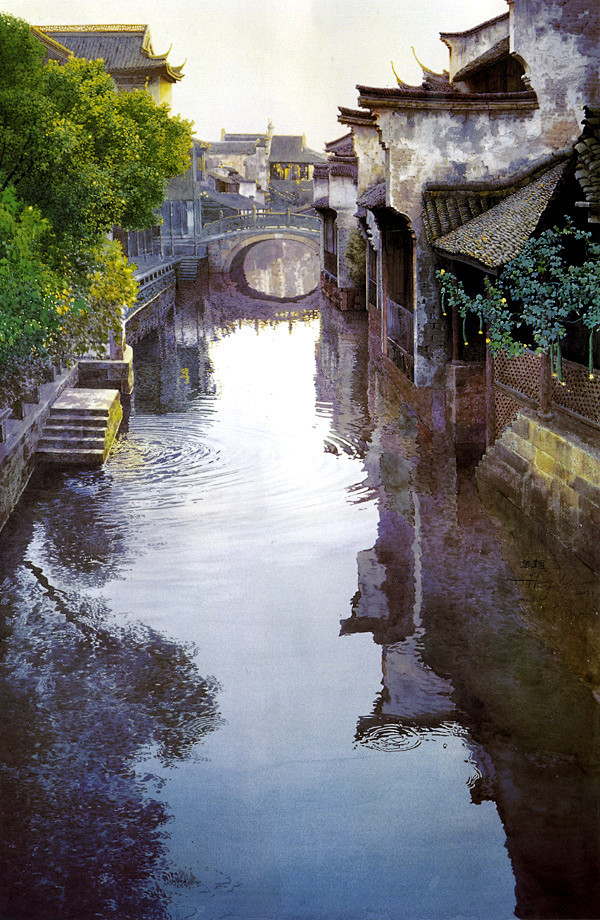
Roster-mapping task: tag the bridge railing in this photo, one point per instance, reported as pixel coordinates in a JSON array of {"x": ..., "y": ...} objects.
[{"x": 273, "y": 220}]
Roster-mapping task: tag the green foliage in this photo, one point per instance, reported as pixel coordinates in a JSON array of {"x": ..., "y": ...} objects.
[
  {"x": 356, "y": 249},
  {"x": 554, "y": 281},
  {"x": 76, "y": 159}
]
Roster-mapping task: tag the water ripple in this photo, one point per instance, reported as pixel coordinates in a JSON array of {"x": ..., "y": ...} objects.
[{"x": 168, "y": 461}]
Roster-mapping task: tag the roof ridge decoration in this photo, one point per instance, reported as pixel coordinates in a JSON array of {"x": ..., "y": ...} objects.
[
  {"x": 431, "y": 77},
  {"x": 106, "y": 27}
]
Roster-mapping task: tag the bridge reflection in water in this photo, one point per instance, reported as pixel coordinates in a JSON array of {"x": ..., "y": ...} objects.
[{"x": 188, "y": 732}]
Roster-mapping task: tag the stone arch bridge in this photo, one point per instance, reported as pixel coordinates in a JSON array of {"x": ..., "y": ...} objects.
[{"x": 227, "y": 237}]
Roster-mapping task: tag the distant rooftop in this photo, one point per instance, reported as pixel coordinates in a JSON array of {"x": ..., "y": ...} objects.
[{"x": 290, "y": 148}]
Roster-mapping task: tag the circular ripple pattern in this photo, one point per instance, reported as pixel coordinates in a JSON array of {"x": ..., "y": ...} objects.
[{"x": 242, "y": 471}]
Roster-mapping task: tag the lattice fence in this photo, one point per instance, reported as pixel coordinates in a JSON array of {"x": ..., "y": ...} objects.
[{"x": 577, "y": 395}]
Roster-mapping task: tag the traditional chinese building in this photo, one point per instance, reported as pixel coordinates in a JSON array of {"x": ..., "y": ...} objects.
[
  {"x": 127, "y": 53},
  {"x": 501, "y": 122}
]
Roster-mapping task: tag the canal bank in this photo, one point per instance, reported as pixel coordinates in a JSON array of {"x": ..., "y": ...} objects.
[
  {"x": 331, "y": 683},
  {"x": 30, "y": 436}
]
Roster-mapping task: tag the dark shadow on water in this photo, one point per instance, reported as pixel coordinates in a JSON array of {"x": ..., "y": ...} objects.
[{"x": 86, "y": 700}]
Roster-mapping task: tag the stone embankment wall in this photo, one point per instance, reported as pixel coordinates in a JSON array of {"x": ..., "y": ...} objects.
[
  {"x": 551, "y": 471},
  {"x": 20, "y": 441}
]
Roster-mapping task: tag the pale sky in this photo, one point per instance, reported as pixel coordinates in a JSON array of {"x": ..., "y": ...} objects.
[{"x": 291, "y": 61}]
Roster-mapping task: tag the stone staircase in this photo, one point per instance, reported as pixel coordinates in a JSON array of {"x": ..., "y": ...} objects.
[
  {"x": 187, "y": 270},
  {"x": 81, "y": 428}
]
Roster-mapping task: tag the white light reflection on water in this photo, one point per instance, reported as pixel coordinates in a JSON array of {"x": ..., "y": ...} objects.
[{"x": 284, "y": 815}]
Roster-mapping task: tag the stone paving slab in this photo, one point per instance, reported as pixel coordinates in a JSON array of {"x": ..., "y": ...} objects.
[{"x": 78, "y": 399}]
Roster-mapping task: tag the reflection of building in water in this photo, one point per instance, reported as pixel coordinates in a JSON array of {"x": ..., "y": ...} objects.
[
  {"x": 172, "y": 363},
  {"x": 341, "y": 378},
  {"x": 471, "y": 645}
]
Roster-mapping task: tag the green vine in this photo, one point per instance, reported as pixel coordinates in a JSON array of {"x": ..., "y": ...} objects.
[{"x": 553, "y": 282}]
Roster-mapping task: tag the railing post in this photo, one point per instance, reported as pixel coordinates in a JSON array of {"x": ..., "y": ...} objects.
[
  {"x": 455, "y": 334},
  {"x": 545, "y": 386},
  {"x": 490, "y": 399}
]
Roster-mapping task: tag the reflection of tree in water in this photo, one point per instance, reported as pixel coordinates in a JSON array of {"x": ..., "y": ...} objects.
[
  {"x": 85, "y": 700},
  {"x": 77, "y": 533}
]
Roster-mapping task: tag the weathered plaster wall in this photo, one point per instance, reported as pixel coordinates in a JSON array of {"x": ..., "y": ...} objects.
[
  {"x": 371, "y": 157},
  {"x": 466, "y": 47},
  {"x": 448, "y": 147},
  {"x": 558, "y": 40}
]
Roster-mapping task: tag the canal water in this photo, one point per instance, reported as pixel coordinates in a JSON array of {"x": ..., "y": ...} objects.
[{"x": 278, "y": 660}]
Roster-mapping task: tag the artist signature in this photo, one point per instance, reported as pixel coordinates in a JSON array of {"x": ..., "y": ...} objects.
[{"x": 537, "y": 577}]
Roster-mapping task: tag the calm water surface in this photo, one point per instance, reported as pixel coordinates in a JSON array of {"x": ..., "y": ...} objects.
[{"x": 276, "y": 662}]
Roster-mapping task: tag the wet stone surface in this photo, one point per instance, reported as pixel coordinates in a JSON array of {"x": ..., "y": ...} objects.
[{"x": 278, "y": 661}]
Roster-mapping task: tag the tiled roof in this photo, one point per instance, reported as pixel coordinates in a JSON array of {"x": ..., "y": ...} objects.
[
  {"x": 587, "y": 172},
  {"x": 289, "y": 148},
  {"x": 258, "y": 139},
  {"x": 498, "y": 235},
  {"x": 343, "y": 146},
  {"x": 358, "y": 117},
  {"x": 237, "y": 148},
  {"x": 54, "y": 50},
  {"x": 344, "y": 166},
  {"x": 374, "y": 197},
  {"x": 445, "y": 208},
  {"x": 437, "y": 98},
  {"x": 226, "y": 199},
  {"x": 121, "y": 47}
]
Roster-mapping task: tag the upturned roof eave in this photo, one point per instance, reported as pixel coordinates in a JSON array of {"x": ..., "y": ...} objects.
[{"x": 412, "y": 98}]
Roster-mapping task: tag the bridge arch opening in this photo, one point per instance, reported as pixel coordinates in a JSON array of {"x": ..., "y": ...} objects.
[{"x": 276, "y": 268}]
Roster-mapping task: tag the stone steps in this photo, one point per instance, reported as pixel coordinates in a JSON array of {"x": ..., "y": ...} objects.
[
  {"x": 81, "y": 428},
  {"x": 187, "y": 270}
]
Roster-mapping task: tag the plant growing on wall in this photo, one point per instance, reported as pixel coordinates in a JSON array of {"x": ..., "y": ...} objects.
[
  {"x": 554, "y": 281},
  {"x": 356, "y": 249}
]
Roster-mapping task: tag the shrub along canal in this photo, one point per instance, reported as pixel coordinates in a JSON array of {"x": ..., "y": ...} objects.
[{"x": 275, "y": 661}]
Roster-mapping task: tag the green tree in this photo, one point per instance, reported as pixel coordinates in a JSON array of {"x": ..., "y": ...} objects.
[
  {"x": 356, "y": 250},
  {"x": 76, "y": 159}
]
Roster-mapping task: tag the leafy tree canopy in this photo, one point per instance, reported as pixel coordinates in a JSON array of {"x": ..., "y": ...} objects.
[
  {"x": 76, "y": 159},
  {"x": 90, "y": 158}
]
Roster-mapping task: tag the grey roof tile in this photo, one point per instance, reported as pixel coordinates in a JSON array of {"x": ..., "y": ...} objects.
[{"x": 498, "y": 235}]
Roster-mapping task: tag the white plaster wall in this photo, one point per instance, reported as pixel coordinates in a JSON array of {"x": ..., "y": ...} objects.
[
  {"x": 321, "y": 187},
  {"x": 342, "y": 193},
  {"x": 371, "y": 157},
  {"x": 466, "y": 48}
]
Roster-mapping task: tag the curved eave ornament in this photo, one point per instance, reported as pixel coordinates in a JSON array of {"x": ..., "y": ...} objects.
[{"x": 173, "y": 73}]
